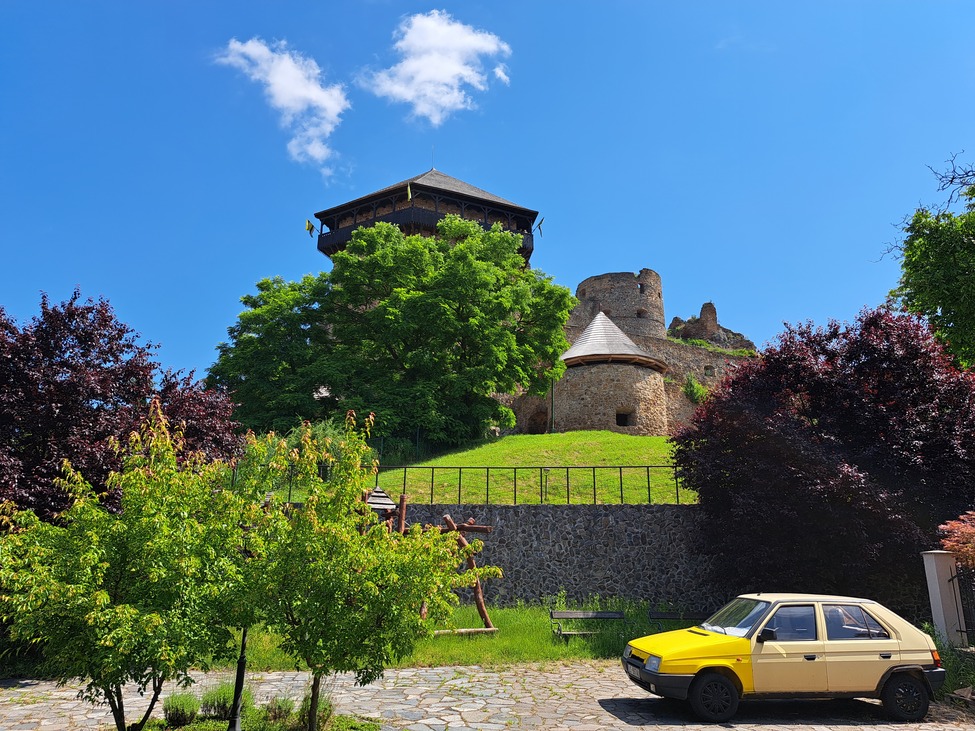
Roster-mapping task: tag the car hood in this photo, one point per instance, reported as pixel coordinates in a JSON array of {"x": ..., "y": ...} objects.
[{"x": 691, "y": 643}]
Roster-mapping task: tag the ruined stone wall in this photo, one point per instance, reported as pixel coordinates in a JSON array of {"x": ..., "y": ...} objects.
[
  {"x": 635, "y": 302},
  {"x": 640, "y": 552},
  {"x": 594, "y": 396}
]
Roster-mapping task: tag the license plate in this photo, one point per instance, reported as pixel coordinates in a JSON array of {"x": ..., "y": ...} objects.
[{"x": 633, "y": 671}]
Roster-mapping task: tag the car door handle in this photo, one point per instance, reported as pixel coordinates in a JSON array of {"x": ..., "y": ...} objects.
[
  {"x": 810, "y": 657},
  {"x": 885, "y": 656}
]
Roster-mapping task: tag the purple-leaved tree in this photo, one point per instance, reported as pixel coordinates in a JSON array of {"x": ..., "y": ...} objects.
[
  {"x": 73, "y": 379},
  {"x": 828, "y": 463}
]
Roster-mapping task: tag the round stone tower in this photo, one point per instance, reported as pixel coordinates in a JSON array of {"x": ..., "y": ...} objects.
[{"x": 635, "y": 302}]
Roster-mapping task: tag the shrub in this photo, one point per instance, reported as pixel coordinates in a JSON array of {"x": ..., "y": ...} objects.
[
  {"x": 180, "y": 709},
  {"x": 279, "y": 709},
  {"x": 959, "y": 666},
  {"x": 694, "y": 391},
  {"x": 218, "y": 702}
]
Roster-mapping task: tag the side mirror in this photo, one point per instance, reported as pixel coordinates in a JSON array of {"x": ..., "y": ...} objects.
[{"x": 767, "y": 633}]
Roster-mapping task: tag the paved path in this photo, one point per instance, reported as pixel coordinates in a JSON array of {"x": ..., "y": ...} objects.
[{"x": 555, "y": 697}]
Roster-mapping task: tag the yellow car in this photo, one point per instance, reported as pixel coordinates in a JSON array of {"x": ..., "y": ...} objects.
[{"x": 791, "y": 646}]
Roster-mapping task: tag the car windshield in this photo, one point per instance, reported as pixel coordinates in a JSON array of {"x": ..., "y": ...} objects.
[{"x": 737, "y": 617}]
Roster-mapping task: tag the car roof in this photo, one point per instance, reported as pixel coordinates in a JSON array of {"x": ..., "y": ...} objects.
[{"x": 776, "y": 597}]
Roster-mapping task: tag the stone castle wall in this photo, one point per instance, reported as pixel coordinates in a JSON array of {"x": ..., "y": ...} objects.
[
  {"x": 616, "y": 396},
  {"x": 590, "y": 396},
  {"x": 635, "y": 302},
  {"x": 640, "y": 552}
]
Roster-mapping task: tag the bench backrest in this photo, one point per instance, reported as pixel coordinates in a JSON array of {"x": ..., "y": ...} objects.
[{"x": 581, "y": 614}]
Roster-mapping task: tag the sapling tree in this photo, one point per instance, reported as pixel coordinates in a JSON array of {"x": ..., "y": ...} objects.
[
  {"x": 345, "y": 591},
  {"x": 129, "y": 596}
]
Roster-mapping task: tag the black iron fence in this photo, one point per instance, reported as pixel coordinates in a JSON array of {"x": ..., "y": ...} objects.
[{"x": 552, "y": 485}]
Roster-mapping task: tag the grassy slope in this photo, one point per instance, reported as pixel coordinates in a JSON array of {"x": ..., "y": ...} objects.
[{"x": 570, "y": 449}]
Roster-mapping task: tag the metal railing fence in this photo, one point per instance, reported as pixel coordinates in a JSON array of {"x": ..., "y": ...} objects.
[{"x": 541, "y": 485}]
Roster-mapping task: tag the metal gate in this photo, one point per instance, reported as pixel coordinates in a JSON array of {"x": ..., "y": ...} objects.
[{"x": 966, "y": 589}]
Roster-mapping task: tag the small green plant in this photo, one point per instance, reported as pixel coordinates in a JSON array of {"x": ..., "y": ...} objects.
[
  {"x": 279, "y": 710},
  {"x": 180, "y": 709},
  {"x": 218, "y": 702},
  {"x": 695, "y": 392},
  {"x": 324, "y": 711},
  {"x": 959, "y": 666}
]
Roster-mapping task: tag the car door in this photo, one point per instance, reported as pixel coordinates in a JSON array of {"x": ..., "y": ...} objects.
[
  {"x": 793, "y": 661},
  {"x": 859, "y": 649}
]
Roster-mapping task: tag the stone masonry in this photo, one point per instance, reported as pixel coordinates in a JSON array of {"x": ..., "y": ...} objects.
[
  {"x": 624, "y": 397},
  {"x": 641, "y": 552}
]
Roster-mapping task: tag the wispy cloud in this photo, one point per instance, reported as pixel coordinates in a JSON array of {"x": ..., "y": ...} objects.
[
  {"x": 442, "y": 60},
  {"x": 293, "y": 85}
]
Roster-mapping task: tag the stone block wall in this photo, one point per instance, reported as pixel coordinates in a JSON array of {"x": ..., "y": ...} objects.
[
  {"x": 633, "y": 301},
  {"x": 591, "y": 396},
  {"x": 640, "y": 552}
]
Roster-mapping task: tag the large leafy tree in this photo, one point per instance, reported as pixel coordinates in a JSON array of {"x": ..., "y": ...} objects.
[
  {"x": 73, "y": 379},
  {"x": 422, "y": 331},
  {"x": 829, "y": 462},
  {"x": 274, "y": 360},
  {"x": 938, "y": 274},
  {"x": 133, "y": 596}
]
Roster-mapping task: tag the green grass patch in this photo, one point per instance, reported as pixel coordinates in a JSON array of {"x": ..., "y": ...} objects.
[
  {"x": 524, "y": 636},
  {"x": 584, "y": 467}
]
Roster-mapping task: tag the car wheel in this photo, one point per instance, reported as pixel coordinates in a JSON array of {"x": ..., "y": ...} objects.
[
  {"x": 905, "y": 698},
  {"x": 713, "y": 698}
]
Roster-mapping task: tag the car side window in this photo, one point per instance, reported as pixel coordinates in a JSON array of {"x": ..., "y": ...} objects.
[
  {"x": 845, "y": 622},
  {"x": 794, "y": 623}
]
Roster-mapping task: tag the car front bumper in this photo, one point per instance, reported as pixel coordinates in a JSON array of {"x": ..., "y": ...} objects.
[{"x": 663, "y": 684}]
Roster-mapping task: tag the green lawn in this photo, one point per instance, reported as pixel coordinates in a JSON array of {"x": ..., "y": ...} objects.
[{"x": 574, "y": 467}]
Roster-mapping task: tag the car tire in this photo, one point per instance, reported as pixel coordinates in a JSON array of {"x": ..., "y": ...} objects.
[
  {"x": 905, "y": 698},
  {"x": 713, "y": 698}
]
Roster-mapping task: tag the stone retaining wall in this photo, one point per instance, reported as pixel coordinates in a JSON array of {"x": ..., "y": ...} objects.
[{"x": 642, "y": 552}]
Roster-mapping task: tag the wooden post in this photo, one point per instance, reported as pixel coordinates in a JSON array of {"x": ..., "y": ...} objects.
[
  {"x": 402, "y": 513},
  {"x": 478, "y": 592}
]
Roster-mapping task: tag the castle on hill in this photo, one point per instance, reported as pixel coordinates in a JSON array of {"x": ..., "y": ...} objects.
[{"x": 626, "y": 370}]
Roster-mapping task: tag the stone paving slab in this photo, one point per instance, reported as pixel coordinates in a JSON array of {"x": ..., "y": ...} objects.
[{"x": 576, "y": 696}]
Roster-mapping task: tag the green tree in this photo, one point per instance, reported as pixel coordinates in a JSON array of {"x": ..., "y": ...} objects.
[
  {"x": 421, "y": 331},
  {"x": 346, "y": 593},
  {"x": 938, "y": 274},
  {"x": 273, "y": 362},
  {"x": 131, "y": 596}
]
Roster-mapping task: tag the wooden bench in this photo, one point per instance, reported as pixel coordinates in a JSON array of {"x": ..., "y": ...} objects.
[
  {"x": 557, "y": 616},
  {"x": 658, "y": 618}
]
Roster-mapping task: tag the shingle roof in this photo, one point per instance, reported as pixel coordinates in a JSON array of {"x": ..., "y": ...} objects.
[
  {"x": 603, "y": 342},
  {"x": 433, "y": 178}
]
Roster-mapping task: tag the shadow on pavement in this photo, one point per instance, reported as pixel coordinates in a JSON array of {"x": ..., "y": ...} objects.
[{"x": 652, "y": 711}]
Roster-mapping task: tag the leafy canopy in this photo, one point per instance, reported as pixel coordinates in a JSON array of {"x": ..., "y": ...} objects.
[
  {"x": 73, "y": 379},
  {"x": 421, "y": 331},
  {"x": 134, "y": 596},
  {"x": 829, "y": 462},
  {"x": 938, "y": 275}
]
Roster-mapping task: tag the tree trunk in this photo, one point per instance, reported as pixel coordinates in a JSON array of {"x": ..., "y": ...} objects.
[
  {"x": 316, "y": 687},
  {"x": 235, "y": 709},
  {"x": 115, "y": 703},
  {"x": 157, "y": 684}
]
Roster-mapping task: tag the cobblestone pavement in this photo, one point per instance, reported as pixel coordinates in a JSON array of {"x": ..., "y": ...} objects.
[{"x": 554, "y": 697}]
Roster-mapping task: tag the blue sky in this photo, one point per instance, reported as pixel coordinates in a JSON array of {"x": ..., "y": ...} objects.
[{"x": 165, "y": 155}]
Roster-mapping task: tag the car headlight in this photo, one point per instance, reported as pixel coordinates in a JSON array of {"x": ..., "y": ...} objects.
[
  {"x": 652, "y": 664},
  {"x": 627, "y": 652}
]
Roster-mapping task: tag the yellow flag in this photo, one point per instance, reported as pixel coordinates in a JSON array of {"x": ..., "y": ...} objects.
[
  {"x": 309, "y": 227},
  {"x": 409, "y": 193}
]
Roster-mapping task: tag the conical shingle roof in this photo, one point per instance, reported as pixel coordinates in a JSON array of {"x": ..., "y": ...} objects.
[{"x": 603, "y": 342}]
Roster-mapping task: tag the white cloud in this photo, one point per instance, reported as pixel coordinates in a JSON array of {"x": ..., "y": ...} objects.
[
  {"x": 442, "y": 61},
  {"x": 293, "y": 86}
]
